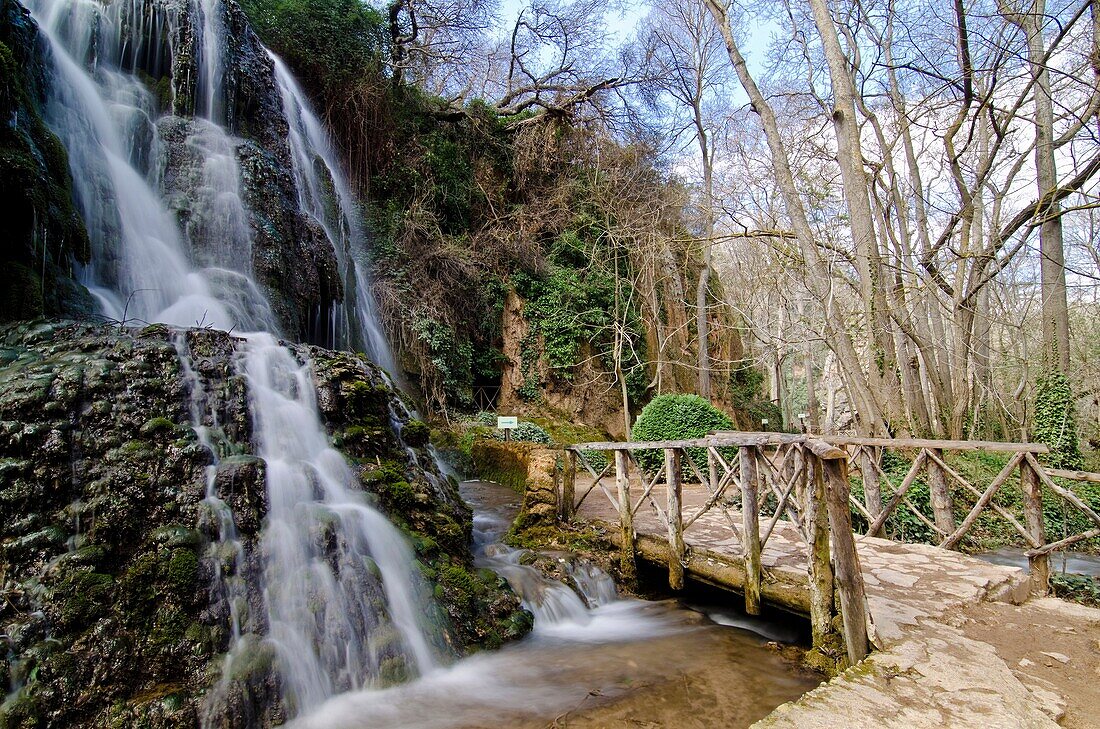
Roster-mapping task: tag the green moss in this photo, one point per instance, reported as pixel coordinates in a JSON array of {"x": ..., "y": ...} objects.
[
  {"x": 580, "y": 538},
  {"x": 169, "y": 626},
  {"x": 23, "y": 711},
  {"x": 81, "y": 597},
  {"x": 461, "y": 587},
  {"x": 183, "y": 570},
  {"x": 397, "y": 495},
  {"x": 415, "y": 434},
  {"x": 158, "y": 425}
]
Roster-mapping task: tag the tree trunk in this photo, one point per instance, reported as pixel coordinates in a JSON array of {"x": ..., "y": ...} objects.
[
  {"x": 882, "y": 365},
  {"x": 870, "y": 414},
  {"x": 702, "y": 325}
]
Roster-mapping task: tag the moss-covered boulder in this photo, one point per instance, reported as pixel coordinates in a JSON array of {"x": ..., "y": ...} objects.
[{"x": 111, "y": 607}]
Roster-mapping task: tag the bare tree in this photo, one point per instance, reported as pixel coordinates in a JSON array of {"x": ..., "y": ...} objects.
[{"x": 686, "y": 65}]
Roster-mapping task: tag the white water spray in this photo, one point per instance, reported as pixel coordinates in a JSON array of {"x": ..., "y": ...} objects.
[{"x": 323, "y": 545}]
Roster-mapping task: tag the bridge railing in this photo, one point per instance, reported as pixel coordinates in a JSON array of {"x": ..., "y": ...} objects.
[
  {"x": 801, "y": 484},
  {"x": 796, "y": 480}
]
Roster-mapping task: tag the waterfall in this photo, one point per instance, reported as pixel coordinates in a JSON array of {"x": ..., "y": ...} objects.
[
  {"x": 162, "y": 197},
  {"x": 107, "y": 120},
  {"x": 324, "y": 193},
  {"x": 330, "y": 632}
]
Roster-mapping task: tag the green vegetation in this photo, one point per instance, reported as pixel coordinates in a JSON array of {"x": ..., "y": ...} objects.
[
  {"x": 677, "y": 417},
  {"x": 1055, "y": 421},
  {"x": 471, "y": 209},
  {"x": 329, "y": 43},
  {"x": 1077, "y": 588},
  {"x": 526, "y": 433},
  {"x": 990, "y": 531},
  {"x": 416, "y": 433}
]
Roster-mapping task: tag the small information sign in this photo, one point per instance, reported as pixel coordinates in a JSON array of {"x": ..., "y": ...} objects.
[{"x": 507, "y": 422}]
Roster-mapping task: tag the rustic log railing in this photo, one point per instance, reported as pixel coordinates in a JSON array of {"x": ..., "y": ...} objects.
[
  {"x": 802, "y": 481},
  {"x": 754, "y": 481}
]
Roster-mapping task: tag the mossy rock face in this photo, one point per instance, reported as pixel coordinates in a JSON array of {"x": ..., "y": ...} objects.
[
  {"x": 110, "y": 548},
  {"x": 105, "y": 488},
  {"x": 415, "y": 434},
  {"x": 41, "y": 233}
]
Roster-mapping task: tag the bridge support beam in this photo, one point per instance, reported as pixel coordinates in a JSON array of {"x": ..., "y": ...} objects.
[
  {"x": 1039, "y": 564},
  {"x": 849, "y": 576},
  {"x": 675, "y": 520},
  {"x": 872, "y": 490},
  {"x": 627, "y": 566},
  {"x": 940, "y": 495},
  {"x": 750, "y": 523},
  {"x": 566, "y": 499},
  {"x": 819, "y": 564}
]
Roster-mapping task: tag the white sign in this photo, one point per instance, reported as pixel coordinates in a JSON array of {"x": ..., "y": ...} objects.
[{"x": 507, "y": 422}]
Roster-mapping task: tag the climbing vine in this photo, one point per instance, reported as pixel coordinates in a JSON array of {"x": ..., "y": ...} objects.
[{"x": 1055, "y": 422}]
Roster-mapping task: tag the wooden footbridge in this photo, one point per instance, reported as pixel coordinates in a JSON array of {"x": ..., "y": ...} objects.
[{"x": 771, "y": 515}]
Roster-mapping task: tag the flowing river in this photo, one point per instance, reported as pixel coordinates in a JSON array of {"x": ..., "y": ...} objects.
[{"x": 597, "y": 662}]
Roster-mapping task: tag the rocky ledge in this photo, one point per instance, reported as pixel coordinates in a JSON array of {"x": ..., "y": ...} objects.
[{"x": 110, "y": 613}]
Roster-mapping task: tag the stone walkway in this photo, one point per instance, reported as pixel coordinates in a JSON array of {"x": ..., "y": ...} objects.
[{"x": 957, "y": 642}]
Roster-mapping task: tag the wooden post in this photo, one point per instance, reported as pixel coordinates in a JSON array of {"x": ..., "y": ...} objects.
[
  {"x": 626, "y": 517},
  {"x": 940, "y": 496},
  {"x": 1039, "y": 565},
  {"x": 712, "y": 469},
  {"x": 849, "y": 577},
  {"x": 750, "y": 521},
  {"x": 872, "y": 490},
  {"x": 819, "y": 566},
  {"x": 566, "y": 505},
  {"x": 675, "y": 520}
]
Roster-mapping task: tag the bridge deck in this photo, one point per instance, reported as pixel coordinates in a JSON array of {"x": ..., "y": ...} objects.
[{"x": 935, "y": 664}]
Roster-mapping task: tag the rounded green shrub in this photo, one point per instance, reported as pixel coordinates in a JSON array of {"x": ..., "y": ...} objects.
[{"x": 676, "y": 417}]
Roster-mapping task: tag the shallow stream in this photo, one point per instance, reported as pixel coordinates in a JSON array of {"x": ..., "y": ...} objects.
[{"x": 620, "y": 662}]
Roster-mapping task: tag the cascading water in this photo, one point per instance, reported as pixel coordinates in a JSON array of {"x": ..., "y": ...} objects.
[
  {"x": 323, "y": 545},
  {"x": 162, "y": 198},
  {"x": 226, "y": 551},
  {"x": 324, "y": 193},
  {"x": 106, "y": 118}
]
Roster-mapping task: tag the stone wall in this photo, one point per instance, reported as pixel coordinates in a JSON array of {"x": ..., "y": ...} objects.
[{"x": 529, "y": 468}]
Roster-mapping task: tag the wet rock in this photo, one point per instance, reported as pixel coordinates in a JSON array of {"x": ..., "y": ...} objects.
[
  {"x": 113, "y": 602},
  {"x": 41, "y": 233},
  {"x": 240, "y": 483}
]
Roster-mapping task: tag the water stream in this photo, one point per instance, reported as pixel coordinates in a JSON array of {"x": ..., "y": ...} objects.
[
  {"x": 338, "y": 576},
  {"x": 599, "y": 661}
]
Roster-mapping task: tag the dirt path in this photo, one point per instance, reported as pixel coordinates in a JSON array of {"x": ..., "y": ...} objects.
[{"x": 1049, "y": 645}]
